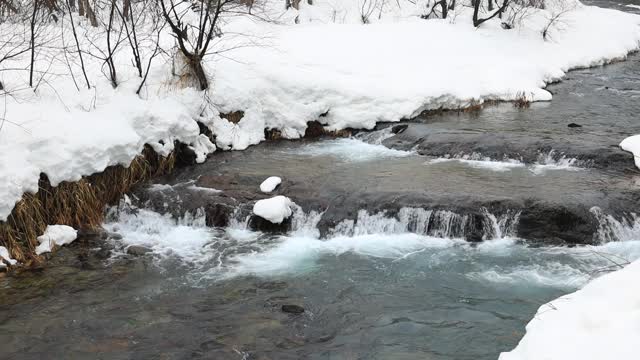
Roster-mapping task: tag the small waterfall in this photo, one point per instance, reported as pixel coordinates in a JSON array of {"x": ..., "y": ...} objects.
[
  {"x": 447, "y": 224},
  {"x": 303, "y": 223},
  {"x": 436, "y": 223},
  {"x": 611, "y": 229},
  {"x": 198, "y": 219},
  {"x": 500, "y": 227},
  {"x": 553, "y": 158},
  {"x": 375, "y": 137},
  {"x": 239, "y": 219}
]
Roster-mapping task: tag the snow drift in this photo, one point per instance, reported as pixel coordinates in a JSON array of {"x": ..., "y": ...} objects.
[{"x": 598, "y": 322}]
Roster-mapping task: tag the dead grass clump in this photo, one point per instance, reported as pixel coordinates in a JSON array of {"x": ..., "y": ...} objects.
[
  {"x": 234, "y": 116},
  {"x": 522, "y": 101},
  {"x": 79, "y": 204}
]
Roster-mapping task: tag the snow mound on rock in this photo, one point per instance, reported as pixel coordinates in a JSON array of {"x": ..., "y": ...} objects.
[
  {"x": 5, "y": 257},
  {"x": 55, "y": 235},
  {"x": 275, "y": 209},
  {"x": 632, "y": 145},
  {"x": 270, "y": 184}
]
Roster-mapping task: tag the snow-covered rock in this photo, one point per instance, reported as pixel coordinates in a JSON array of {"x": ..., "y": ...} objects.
[
  {"x": 270, "y": 184},
  {"x": 55, "y": 235},
  {"x": 6, "y": 257},
  {"x": 632, "y": 145},
  {"x": 275, "y": 209},
  {"x": 599, "y": 322}
]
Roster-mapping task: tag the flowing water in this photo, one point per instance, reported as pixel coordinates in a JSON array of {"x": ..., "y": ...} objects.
[{"x": 408, "y": 246}]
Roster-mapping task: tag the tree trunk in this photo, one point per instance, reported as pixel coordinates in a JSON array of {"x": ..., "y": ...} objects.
[
  {"x": 125, "y": 10},
  {"x": 444, "y": 8},
  {"x": 195, "y": 63},
  {"x": 91, "y": 15},
  {"x": 33, "y": 41}
]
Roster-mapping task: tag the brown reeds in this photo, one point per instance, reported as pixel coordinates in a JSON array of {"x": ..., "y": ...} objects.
[{"x": 79, "y": 204}]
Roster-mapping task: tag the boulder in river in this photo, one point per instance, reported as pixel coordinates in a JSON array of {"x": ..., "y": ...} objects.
[
  {"x": 292, "y": 309},
  {"x": 137, "y": 250}
]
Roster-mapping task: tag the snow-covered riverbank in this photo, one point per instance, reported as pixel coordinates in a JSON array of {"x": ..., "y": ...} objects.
[{"x": 599, "y": 321}]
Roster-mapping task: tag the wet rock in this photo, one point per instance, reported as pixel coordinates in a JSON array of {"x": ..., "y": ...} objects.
[
  {"x": 557, "y": 224},
  {"x": 257, "y": 223},
  {"x": 103, "y": 253},
  {"x": 92, "y": 233},
  {"x": 218, "y": 215},
  {"x": 574, "y": 125},
  {"x": 115, "y": 236},
  {"x": 314, "y": 129},
  {"x": 292, "y": 309},
  {"x": 324, "y": 338},
  {"x": 137, "y": 250},
  {"x": 398, "y": 129},
  {"x": 185, "y": 156}
]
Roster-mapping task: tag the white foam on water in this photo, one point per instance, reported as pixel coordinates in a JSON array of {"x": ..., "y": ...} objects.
[
  {"x": 478, "y": 161},
  {"x": 553, "y": 161},
  {"x": 186, "y": 238},
  {"x": 498, "y": 247},
  {"x": 299, "y": 253},
  {"x": 204, "y": 189},
  {"x": 352, "y": 150},
  {"x": 560, "y": 267},
  {"x": 548, "y": 274},
  {"x": 546, "y": 162},
  {"x": 502, "y": 260}
]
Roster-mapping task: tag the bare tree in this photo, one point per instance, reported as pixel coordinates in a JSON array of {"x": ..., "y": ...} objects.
[
  {"x": 556, "y": 19},
  {"x": 477, "y": 21},
  {"x": 75, "y": 37},
  {"x": 32, "y": 27},
  {"x": 295, "y": 3},
  {"x": 194, "y": 39},
  {"x": 444, "y": 9},
  {"x": 367, "y": 8}
]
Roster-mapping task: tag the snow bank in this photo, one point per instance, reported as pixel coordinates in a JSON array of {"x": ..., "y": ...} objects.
[
  {"x": 275, "y": 209},
  {"x": 600, "y": 321},
  {"x": 270, "y": 184},
  {"x": 6, "y": 257},
  {"x": 358, "y": 75},
  {"x": 632, "y": 145},
  {"x": 55, "y": 235}
]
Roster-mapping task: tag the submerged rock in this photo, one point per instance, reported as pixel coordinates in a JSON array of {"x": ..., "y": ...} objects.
[
  {"x": 137, "y": 250},
  {"x": 398, "y": 129},
  {"x": 292, "y": 309}
]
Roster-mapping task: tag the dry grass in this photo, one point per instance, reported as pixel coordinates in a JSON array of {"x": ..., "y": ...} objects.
[
  {"x": 522, "y": 101},
  {"x": 78, "y": 204},
  {"x": 233, "y": 117}
]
